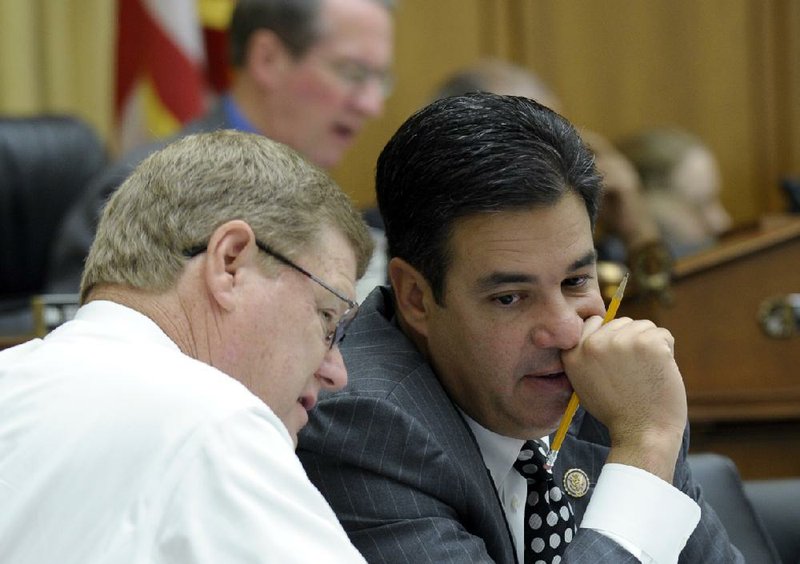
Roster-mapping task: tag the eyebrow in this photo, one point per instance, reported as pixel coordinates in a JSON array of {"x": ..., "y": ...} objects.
[{"x": 500, "y": 278}]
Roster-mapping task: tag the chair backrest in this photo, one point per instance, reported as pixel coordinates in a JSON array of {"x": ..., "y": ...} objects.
[
  {"x": 46, "y": 162},
  {"x": 777, "y": 502},
  {"x": 722, "y": 488}
]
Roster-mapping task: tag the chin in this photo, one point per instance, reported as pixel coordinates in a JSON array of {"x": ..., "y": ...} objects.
[{"x": 328, "y": 161}]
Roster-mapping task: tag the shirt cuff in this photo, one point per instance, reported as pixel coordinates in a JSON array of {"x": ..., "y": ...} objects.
[{"x": 643, "y": 513}]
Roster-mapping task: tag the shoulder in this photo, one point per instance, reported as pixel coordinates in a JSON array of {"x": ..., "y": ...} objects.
[
  {"x": 378, "y": 356},
  {"x": 131, "y": 370}
]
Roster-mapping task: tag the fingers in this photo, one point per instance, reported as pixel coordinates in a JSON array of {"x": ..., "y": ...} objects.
[
  {"x": 641, "y": 334},
  {"x": 591, "y": 325}
]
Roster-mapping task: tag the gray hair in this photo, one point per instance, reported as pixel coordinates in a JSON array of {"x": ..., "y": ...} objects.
[{"x": 178, "y": 196}]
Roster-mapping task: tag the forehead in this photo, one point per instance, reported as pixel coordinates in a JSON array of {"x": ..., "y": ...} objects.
[
  {"x": 356, "y": 28},
  {"x": 535, "y": 241}
]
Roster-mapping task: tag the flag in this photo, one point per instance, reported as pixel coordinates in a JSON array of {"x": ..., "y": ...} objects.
[
  {"x": 160, "y": 74},
  {"x": 215, "y": 18}
]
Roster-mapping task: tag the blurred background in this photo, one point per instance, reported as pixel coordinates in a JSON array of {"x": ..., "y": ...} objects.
[
  {"x": 724, "y": 69},
  {"x": 728, "y": 71}
]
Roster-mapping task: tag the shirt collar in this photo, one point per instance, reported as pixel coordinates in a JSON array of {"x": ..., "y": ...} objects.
[
  {"x": 116, "y": 321},
  {"x": 498, "y": 451}
]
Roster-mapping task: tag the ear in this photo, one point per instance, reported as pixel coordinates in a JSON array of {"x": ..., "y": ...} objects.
[
  {"x": 412, "y": 293},
  {"x": 267, "y": 58},
  {"x": 231, "y": 249}
]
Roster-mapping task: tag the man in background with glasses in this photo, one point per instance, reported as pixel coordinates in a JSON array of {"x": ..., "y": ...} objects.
[
  {"x": 307, "y": 73},
  {"x": 159, "y": 425}
]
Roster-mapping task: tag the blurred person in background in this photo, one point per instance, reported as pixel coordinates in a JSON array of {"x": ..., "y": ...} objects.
[
  {"x": 307, "y": 73},
  {"x": 680, "y": 181}
]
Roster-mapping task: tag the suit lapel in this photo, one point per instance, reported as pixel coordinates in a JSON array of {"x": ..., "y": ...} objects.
[
  {"x": 581, "y": 457},
  {"x": 422, "y": 396}
]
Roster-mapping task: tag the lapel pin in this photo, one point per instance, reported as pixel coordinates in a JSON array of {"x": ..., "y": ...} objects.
[{"x": 576, "y": 482}]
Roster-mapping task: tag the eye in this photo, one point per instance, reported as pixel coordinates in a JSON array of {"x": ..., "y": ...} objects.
[
  {"x": 328, "y": 317},
  {"x": 576, "y": 281},
  {"x": 507, "y": 300}
]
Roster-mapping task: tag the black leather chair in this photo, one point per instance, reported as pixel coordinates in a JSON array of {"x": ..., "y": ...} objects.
[
  {"x": 777, "y": 503},
  {"x": 45, "y": 164},
  {"x": 723, "y": 490}
]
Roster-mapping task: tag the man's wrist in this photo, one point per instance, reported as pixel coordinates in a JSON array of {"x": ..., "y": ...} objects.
[{"x": 655, "y": 451}]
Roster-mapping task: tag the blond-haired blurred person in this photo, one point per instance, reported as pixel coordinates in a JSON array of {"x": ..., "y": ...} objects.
[{"x": 681, "y": 185}]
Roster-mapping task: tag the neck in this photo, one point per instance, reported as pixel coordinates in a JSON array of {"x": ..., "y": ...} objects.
[
  {"x": 250, "y": 101},
  {"x": 165, "y": 309}
]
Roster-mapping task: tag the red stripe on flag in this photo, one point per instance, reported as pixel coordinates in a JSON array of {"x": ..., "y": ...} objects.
[
  {"x": 218, "y": 69},
  {"x": 144, "y": 48}
]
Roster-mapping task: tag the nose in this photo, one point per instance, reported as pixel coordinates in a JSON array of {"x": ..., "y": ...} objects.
[
  {"x": 332, "y": 373},
  {"x": 369, "y": 99},
  {"x": 558, "y": 326}
]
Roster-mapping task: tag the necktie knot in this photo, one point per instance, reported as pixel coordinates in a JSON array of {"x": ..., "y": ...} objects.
[{"x": 530, "y": 462}]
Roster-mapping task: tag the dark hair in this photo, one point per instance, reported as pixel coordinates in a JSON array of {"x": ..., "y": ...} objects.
[
  {"x": 473, "y": 154},
  {"x": 296, "y": 22}
]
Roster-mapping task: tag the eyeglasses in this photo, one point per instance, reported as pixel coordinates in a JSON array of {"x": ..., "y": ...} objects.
[
  {"x": 357, "y": 75},
  {"x": 334, "y": 331}
]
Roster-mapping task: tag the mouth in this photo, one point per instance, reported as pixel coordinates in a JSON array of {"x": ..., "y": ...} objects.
[
  {"x": 548, "y": 376},
  {"x": 344, "y": 132},
  {"x": 556, "y": 379}
]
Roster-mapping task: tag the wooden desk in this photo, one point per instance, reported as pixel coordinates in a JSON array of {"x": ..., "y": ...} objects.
[{"x": 743, "y": 387}]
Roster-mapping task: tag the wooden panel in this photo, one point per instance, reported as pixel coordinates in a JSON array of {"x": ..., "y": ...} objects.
[
  {"x": 761, "y": 450},
  {"x": 742, "y": 387},
  {"x": 725, "y": 69},
  {"x": 620, "y": 66},
  {"x": 732, "y": 369}
]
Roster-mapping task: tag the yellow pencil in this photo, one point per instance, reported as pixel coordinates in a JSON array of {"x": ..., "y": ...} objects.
[{"x": 572, "y": 406}]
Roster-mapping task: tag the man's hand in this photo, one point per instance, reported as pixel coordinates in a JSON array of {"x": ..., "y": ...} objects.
[{"x": 625, "y": 375}]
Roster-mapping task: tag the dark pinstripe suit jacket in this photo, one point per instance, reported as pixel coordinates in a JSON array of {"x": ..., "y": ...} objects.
[{"x": 400, "y": 467}]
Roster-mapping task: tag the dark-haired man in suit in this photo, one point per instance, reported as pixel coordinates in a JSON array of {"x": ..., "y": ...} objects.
[{"x": 464, "y": 366}]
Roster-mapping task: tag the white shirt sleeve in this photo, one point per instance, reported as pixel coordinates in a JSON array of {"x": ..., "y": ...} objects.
[
  {"x": 241, "y": 495},
  {"x": 647, "y": 516}
]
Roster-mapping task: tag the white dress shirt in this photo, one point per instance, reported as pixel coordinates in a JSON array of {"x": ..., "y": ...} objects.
[
  {"x": 117, "y": 447},
  {"x": 644, "y": 514}
]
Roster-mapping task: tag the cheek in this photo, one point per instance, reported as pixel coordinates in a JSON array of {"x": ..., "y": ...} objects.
[
  {"x": 315, "y": 95},
  {"x": 289, "y": 361},
  {"x": 481, "y": 344}
]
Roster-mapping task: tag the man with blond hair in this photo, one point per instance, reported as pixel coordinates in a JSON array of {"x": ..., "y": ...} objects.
[{"x": 159, "y": 425}]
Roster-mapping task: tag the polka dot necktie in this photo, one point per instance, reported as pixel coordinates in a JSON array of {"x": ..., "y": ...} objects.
[{"x": 549, "y": 522}]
